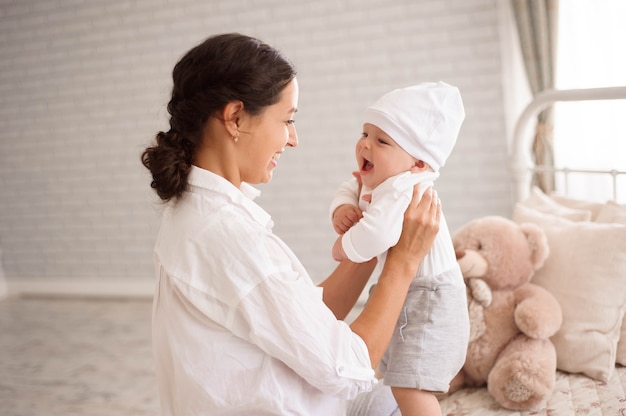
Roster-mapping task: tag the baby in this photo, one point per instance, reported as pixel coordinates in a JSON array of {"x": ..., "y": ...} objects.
[{"x": 407, "y": 136}]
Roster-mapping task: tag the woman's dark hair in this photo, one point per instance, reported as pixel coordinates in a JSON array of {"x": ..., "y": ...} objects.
[{"x": 222, "y": 69}]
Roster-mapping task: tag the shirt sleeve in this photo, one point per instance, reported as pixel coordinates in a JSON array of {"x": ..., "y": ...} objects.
[
  {"x": 347, "y": 193},
  {"x": 286, "y": 318},
  {"x": 269, "y": 300}
]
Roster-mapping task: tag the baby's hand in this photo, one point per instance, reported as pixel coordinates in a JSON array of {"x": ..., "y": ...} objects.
[{"x": 345, "y": 216}]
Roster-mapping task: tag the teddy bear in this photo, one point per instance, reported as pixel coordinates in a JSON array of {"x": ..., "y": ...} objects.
[{"x": 511, "y": 319}]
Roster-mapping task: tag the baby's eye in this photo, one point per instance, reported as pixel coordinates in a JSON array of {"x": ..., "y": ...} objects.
[
  {"x": 291, "y": 121},
  {"x": 363, "y": 135},
  {"x": 382, "y": 141}
]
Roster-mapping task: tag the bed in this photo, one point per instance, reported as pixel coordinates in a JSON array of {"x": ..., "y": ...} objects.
[{"x": 586, "y": 272}]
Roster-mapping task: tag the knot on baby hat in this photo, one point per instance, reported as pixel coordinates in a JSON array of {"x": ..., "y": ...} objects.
[{"x": 423, "y": 119}]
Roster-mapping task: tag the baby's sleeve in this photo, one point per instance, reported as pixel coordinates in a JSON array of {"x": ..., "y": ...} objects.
[
  {"x": 347, "y": 193},
  {"x": 378, "y": 230}
]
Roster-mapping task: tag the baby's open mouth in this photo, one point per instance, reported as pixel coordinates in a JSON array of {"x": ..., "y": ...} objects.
[{"x": 367, "y": 165}]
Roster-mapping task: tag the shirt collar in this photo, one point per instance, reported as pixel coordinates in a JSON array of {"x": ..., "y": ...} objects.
[
  {"x": 405, "y": 180},
  {"x": 242, "y": 196}
]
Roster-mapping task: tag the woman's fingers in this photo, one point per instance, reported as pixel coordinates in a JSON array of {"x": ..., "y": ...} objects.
[
  {"x": 437, "y": 206},
  {"x": 424, "y": 214},
  {"x": 426, "y": 205}
]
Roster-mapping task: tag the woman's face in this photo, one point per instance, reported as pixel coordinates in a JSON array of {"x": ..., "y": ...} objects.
[
  {"x": 263, "y": 138},
  {"x": 379, "y": 157}
]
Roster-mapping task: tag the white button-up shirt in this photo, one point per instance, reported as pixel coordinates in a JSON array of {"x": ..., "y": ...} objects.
[{"x": 239, "y": 328}]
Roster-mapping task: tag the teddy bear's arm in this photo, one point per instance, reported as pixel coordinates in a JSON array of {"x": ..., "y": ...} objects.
[{"x": 537, "y": 312}]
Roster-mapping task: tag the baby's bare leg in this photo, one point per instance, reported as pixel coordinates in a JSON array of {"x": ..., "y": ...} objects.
[{"x": 413, "y": 402}]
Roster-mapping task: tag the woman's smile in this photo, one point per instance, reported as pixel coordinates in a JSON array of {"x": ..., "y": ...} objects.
[{"x": 274, "y": 159}]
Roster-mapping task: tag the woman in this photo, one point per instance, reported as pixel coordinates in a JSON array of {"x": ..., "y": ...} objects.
[{"x": 238, "y": 325}]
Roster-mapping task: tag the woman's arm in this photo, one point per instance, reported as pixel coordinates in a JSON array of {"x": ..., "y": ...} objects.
[
  {"x": 344, "y": 286},
  {"x": 376, "y": 323}
]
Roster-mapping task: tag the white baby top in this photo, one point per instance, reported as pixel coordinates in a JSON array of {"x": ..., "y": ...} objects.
[
  {"x": 238, "y": 325},
  {"x": 381, "y": 225}
]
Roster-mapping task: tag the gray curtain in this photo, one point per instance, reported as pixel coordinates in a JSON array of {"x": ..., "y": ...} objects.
[{"x": 536, "y": 22}]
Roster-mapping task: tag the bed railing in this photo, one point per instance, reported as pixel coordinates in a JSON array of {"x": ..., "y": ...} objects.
[{"x": 521, "y": 162}]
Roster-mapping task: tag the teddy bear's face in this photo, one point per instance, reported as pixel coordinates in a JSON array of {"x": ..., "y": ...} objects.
[{"x": 499, "y": 251}]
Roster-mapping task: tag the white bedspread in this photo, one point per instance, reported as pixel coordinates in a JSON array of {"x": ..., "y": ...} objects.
[{"x": 573, "y": 395}]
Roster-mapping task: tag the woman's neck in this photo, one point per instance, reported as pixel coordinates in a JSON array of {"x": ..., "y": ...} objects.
[{"x": 221, "y": 160}]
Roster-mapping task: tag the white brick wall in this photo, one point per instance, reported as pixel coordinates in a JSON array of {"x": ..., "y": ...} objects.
[{"x": 84, "y": 85}]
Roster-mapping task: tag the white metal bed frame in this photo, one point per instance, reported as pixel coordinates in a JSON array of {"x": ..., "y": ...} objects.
[{"x": 521, "y": 163}]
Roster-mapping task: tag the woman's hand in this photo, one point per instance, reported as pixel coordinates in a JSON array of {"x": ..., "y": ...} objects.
[{"x": 420, "y": 227}]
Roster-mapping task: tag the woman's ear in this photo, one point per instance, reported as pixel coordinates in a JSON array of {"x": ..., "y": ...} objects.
[{"x": 232, "y": 114}]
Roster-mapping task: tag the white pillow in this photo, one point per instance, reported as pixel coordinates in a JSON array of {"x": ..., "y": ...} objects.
[
  {"x": 593, "y": 207},
  {"x": 543, "y": 203},
  {"x": 586, "y": 272},
  {"x": 612, "y": 212},
  {"x": 609, "y": 212}
]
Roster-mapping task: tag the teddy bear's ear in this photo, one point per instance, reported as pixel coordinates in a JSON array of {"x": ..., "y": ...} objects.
[{"x": 538, "y": 243}]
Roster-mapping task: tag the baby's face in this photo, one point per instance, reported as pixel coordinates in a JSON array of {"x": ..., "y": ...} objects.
[{"x": 379, "y": 157}]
